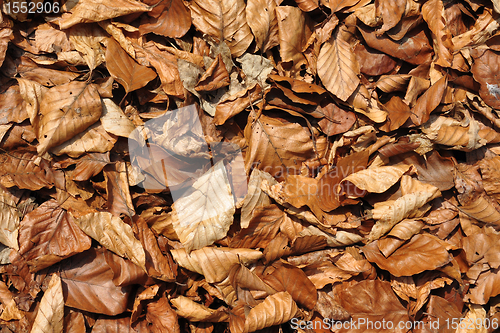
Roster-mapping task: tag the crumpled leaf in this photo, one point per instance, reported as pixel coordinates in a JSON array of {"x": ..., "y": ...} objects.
[
  {"x": 261, "y": 17},
  {"x": 224, "y": 21},
  {"x": 423, "y": 252},
  {"x": 162, "y": 317},
  {"x": 276, "y": 309},
  {"x": 197, "y": 312},
  {"x": 114, "y": 120},
  {"x": 433, "y": 13},
  {"x": 100, "y": 10},
  {"x": 19, "y": 169},
  {"x": 485, "y": 70},
  {"x": 9, "y": 220},
  {"x": 480, "y": 209},
  {"x": 173, "y": 20},
  {"x": 213, "y": 262},
  {"x": 114, "y": 234},
  {"x": 50, "y": 315}
]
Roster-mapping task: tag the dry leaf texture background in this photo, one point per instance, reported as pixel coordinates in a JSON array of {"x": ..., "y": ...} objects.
[{"x": 175, "y": 166}]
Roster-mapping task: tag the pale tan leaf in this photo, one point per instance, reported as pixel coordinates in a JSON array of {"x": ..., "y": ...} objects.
[
  {"x": 9, "y": 220},
  {"x": 475, "y": 314},
  {"x": 50, "y": 316},
  {"x": 114, "y": 234},
  {"x": 255, "y": 196},
  {"x": 87, "y": 39},
  {"x": 99, "y": 10},
  {"x": 338, "y": 68},
  {"x": 261, "y": 17},
  {"x": 51, "y": 40},
  {"x": 379, "y": 179},
  {"x": 65, "y": 111},
  {"x": 276, "y": 309},
  {"x": 392, "y": 83},
  {"x": 213, "y": 262},
  {"x": 294, "y": 31},
  {"x": 205, "y": 212},
  {"x": 225, "y": 20},
  {"x": 114, "y": 120},
  {"x": 193, "y": 311}
]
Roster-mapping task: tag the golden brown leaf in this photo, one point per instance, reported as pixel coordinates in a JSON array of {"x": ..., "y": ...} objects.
[
  {"x": 197, "y": 312},
  {"x": 161, "y": 316},
  {"x": 434, "y": 14},
  {"x": 19, "y": 169},
  {"x": 261, "y": 17},
  {"x": 391, "y": 12},
  {"x": 9, "y": 220},
  {"x": 66, "y": 111},
  {"x": 485, "y": 70},
  {"x": 224, "y": 21},
  {"x": 215, "y": 77},
  {"x": 338, "y": 68},
  {"x": 276, "y": 309},
  {"x": 126, "y": 70},
  {"x": 428, "y": 101},
  {"x": 173, "y": 21},
  {"x": 114, "y": 120},
  {"x": 480, "y": 209}
]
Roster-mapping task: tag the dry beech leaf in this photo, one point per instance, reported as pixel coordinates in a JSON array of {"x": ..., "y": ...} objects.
[
  {"x": 338, "y": 68},
  {"x": 255, "y": 197},
  {"x": 100, "y": 10},
  {"x": 162, "y": 317},
  {"x": 486, "y": 286},
  {"x": 380, "y": 179},
  {"x": 65, "y": 111},
  {"x": 215, "y": 77},
  {"x": 10, "y": 308},
  {"x": 50, "y": 315},
  {"x": 224, "y": 21},
  {"x": 193, "y": 311},
  {"x": 294, "y": 32},
  {"x": 9, "y": 220},
  {"x": 481, "y": 210},
  {"x": 391, "y": 12},
  {"x": 19, "y": 169},
  {"x": 205, "y": 211},
  {"x": 423, "y": 252},
  {"x": 114, "y": 120},
  {"x": 126, "y": 70},
  {"x": 173, "y": 21},
  {"x": 276, "y": 309},
  {"x": 428, "y": 101},
  {"x": 117, "y": 189},
  {"x": 434, "y": 14},
  {"x": 88, "y": 283},
  {"x": 114, "y": 234},
  {"x": 213, "y": 262},
  {"x": 48, "y": 235},
  {"x": 87, "y": 39},
  {"x": 485, "y": 71},
  {"x": 261, "y": 17},
  {"x": 375, "y": 301}
]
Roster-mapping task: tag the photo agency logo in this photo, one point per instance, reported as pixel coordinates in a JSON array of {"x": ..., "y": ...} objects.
[{"x": 206, "y": 180}]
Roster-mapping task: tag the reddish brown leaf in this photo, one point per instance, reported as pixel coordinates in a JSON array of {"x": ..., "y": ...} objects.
[
  {"x": 173, "y": 19},
  {"x": 486, "y": 71}
]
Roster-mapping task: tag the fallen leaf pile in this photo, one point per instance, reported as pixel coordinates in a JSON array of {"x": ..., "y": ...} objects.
[{"x": 350, "y": 149}]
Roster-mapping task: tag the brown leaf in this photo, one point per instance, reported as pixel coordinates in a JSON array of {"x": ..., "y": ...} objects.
[
  {"x": 50, "y": 315},
  {"x": 255, "y": 197},
  {"x": 88, "y": 284},
  {"x": 423, "y": 252},
  {"x": 197, "y": 312},
  {"x": 261, "y": 17},
  {"x": 372, "y": 300},
  {"x": 338, "y": 68},
  {"x": 485, "y": 70},
  {"x": 174, "y": 19},
  {"x": 434, "y": 14},
  {"x": 276, "y": 309},
  {"x": 126, "y": 70},
  {"x": 398, "y": 113},
  {"x": 9, "y": 220},
  {"x": 117, "y": 189},
  {"x": 234, "y": 104},
  {"x": 224, "y": 21},
  {"x": 161, "y": 316},
  {"x": 486, "y": 286},
  {"x": 480, "y": 209},
  {"x": 378, "y": 179},
  {"x": 48, "y": 235},
  {"x": 19, "y": 169},
  {"x": 12, "y": 106},
  {"x": 428, "y": 101},
  {"x": 391, "y": 12},
  {"x": 65, "y": 111},
  {"x": 372, "y": 62},
  {"x": 100, "y": 10},
  {"x": 336, "y": 120},
  {"x": 294, "y": 31},
  {"x": 215, "y": 77}
]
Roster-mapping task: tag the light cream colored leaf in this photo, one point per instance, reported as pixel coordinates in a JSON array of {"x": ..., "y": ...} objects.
[
  {"x": 87, "y": 11},
  {"x": 193, "y": 311},
  {"x": 65, "y": 111},
  {"x": 276, "y": 309},
  {"x": 87, "y": 39},
  {"x": 379, "y": 179},
  {"x": 9, "y": 220},
  {"x": 114, "y": 120},
  {"x": 214, "y": 262},
  {"x": 338, "y": 68},
  {"x": 225, "y": 20},
  {"x": 205, "y": 212},
  {"x": 261, "y": 17},
  {"x": 50, "y": 316},
  {"x": 114, "y": 234},
  {"x": 476, "y": 314}
]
